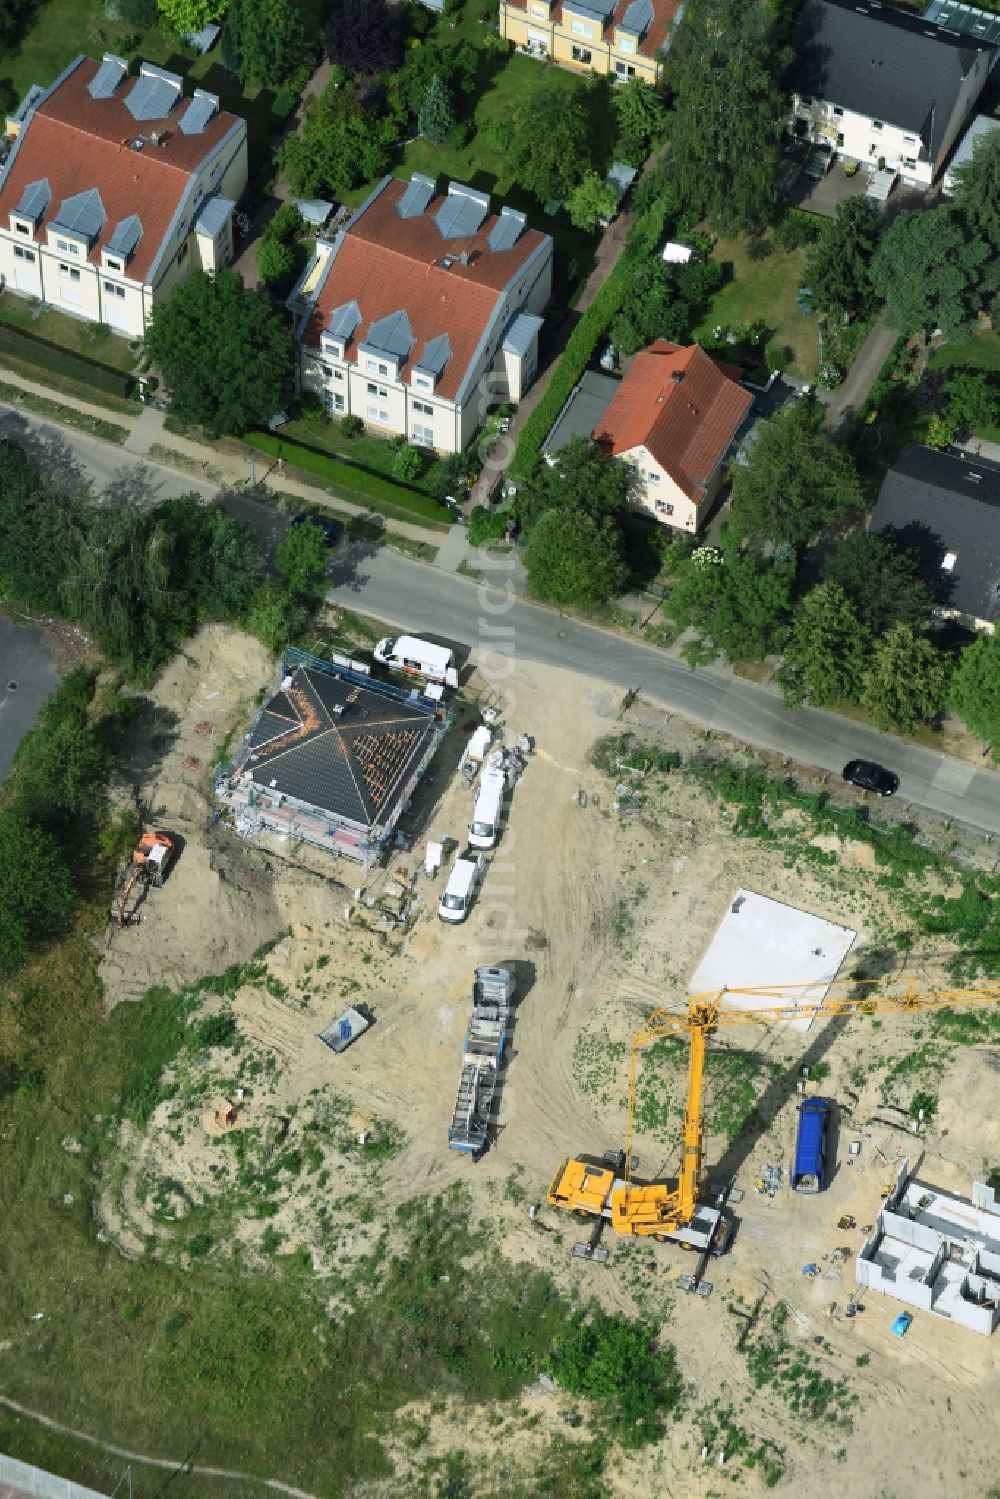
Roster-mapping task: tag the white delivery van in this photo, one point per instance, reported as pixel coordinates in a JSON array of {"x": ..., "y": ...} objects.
[
  {"x": 485, "y": 824},
  {"x": 418, "y": 658},
  {"x": 458, "y": 894}
]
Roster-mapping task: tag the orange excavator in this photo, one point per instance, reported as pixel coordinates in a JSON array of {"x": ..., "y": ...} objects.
[{"x": 151, "y": 858}]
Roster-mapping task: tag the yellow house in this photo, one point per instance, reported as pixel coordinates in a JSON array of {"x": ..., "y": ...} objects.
[{"x": 625, "y": 38}]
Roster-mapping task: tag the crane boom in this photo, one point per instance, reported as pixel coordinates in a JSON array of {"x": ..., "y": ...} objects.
[{"x": 657, "y": 1208}]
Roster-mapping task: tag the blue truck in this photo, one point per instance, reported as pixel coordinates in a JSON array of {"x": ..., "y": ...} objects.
[{"x": 809, "y": 1172}]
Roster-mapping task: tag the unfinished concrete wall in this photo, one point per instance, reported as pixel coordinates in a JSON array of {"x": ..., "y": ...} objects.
[{"x": 28, "y": 1479}]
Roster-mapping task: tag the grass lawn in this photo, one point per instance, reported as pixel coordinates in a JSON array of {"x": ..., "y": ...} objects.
[
  {"x": 369, "y": 451},
  {"x": 981, "y": 352},
  {"x": 480, "y": 166},
  {"x": 71, "y": 333},
  {"x": 765, "y": 291}
]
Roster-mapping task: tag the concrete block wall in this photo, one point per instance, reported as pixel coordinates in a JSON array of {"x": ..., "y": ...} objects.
[{"x": 41, "y": 1485}]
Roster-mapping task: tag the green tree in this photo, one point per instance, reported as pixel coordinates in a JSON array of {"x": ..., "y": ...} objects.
[
  {"x": 364, "y": 36},
  {"x": 616, "y": 1362},
  {"x": 575, "y": 557},
  {"x": 662, "y": 301},
  {"x": 142, "y": 14},
  {"x": 407, "y": 464},
  {"x": 723, "y": 69},
  {"x": 215, "y": 561},
  {"x": 592, "y": 199},
  {"x": 60, "y": 773},
  {"x": 455, "y": 65},
  {"x": 795, "y": 482},
  {"x": 826, "y": 652},
  {"x": 975, "y": 690},
  {"x": 182, "y": 16},
  {"x": 265, "y": 40},
  {"x": 302, "y": 560},
  {"x": 838, "y": 267},
  {"x": 973, "y": 400},
  {"x": 642, "y": 120},
  {"x": 545, "y": 140},
  {"x": 736, "y": 601},
  {"x": 977, "y": 190},
  {"x": 226, "y": 355},
  {"x": 275, "y": 259},
  {"x": 343, "y": 142},
  {"x": 36, "y": 892},
  {"x": 907, "y": 681},
  {"x": 581, "y": 479},
  {"x": 485, "y": 525},
  {"x": 881, "y": 579},
  {"x": 275, "y": 615},
  {"x": 931, "y": 272},
  {"x": 436, "y": 118},
  {"x": 42, "y": 518},
  {"x": 119, "y": 586}
]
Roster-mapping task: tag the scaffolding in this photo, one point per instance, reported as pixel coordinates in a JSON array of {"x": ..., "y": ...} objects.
[{"x": 255, "y": 809}]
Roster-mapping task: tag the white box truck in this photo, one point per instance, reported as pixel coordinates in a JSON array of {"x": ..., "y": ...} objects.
[
  {"x": 418, "y": 658},
  {"x": 485, "y": 825}
]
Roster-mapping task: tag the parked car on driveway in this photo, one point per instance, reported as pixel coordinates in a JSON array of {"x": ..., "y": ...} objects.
[
  {"x": 871, "y": 777},
  {"x": 818, "y": 162}
]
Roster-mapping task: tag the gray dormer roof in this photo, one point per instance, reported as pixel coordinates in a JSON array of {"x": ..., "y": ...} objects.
[
  {"x": 417, "y": 196},
  {"x": 638, "y": 18},
  {"x": 198, "y": 113},
  {"x": 507, "y": 230},
  {"x": 522, "y": 333},
  {"x": 35, "y": 200},
  {"x": 213, "y": 215},
  {"x": 125, "y": 236},
  {"x": 154, "y": 94},
  {"x": 391, "y": 335},
  {"x": 83, "y": 214},
  {"x": 437, "y": 352},
  {"x": 108, "y": 76},
  {"x": 344, "y": 320},
  {"x": 462, "y": 212}
]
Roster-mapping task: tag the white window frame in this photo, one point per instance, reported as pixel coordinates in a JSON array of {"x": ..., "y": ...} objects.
[
  {"x": 112, "y": 265},
  {"x": 378, "y": 414},
  {"x": 20, "y": 227},
  {"x": 582, "y": 54},
  {"x": 114, "y": 289},
  {"x": 626, "y": 44},
  {"x": 423, "y": 408},
  {"x": 378, "y": 390},
  {"x": 421, "y": 435},
  {"x": 624, "y": 71},
  {"x": 22, "y": 254},
  {"x": 581, "y": 28},
  {"x": 67, "y": 247},
  {"x": 69, "y": 272},
  {"x": 423, "y": 382},
  {"x": 375, "y": 367}
]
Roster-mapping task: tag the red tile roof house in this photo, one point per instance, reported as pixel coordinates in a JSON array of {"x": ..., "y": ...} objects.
[
  {"x": 673, "y": 421},
  {"x": 115, "y": 188},
  {"x": 423, "y": 312}
]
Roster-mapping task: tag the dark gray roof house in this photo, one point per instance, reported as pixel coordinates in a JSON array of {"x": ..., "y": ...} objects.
[
  {"x": 331, "y": 757},
  {"x": 889, "y": 65},
  {"x": 946, "y": 506}
]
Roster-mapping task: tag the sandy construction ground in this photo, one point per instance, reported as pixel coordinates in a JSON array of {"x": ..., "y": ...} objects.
[{"x": 605, "y": 918}]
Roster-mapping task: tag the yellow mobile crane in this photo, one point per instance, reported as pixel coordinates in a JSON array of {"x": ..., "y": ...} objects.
[{"x": 603, "y": 1188}]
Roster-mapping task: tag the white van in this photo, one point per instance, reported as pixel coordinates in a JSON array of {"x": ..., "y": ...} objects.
[
  {"x": 485, "y": 824},
  {"x": 418, "y": 658},
  {"x": 458, "y": 894}
]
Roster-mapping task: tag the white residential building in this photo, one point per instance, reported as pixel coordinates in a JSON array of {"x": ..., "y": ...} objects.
[
  {"x": 115, "y": 188},
  {"x": 423, "y": 312},
  {"x": 883, "y": 87}
]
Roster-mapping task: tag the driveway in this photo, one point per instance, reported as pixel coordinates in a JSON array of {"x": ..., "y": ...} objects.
[
  {"x": 27, "y": 676},
  {"x": 844, "y": 403}
]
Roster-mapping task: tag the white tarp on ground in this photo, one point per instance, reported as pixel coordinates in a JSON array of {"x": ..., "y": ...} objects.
[{"x": 762, "y": 942}]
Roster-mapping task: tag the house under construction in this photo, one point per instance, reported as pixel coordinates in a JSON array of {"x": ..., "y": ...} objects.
[{"x": 332, "y": 757}]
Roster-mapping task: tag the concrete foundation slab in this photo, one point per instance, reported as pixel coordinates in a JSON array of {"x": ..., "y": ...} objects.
[{"x": 761, "y": 943}]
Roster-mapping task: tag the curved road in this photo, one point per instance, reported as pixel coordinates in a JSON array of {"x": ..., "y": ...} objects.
[
  {"x": 421, "y": 598},
  {"x": 411, "y": 595}
]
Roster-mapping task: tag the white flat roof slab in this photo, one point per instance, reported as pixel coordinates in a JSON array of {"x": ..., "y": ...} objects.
[{"x": 761, "y": 943}]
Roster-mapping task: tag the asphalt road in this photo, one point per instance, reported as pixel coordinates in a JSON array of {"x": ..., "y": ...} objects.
[
  {"x": 407, "y": 594},
  {"x": 27, "y": 676},
  {"x": 421, "y": 599}
]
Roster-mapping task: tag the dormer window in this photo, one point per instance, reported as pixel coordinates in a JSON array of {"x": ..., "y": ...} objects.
[
  {"x": 626, "y": 44},
  {"x": 376, "y": 367},
  {"x": 112, "y": 265},
  {"x": 423, "y": 382}
]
